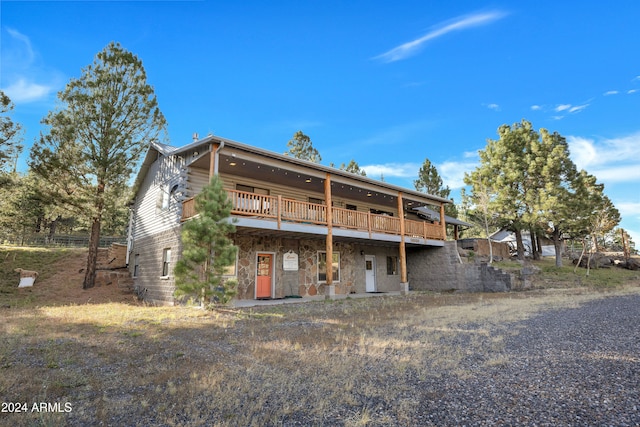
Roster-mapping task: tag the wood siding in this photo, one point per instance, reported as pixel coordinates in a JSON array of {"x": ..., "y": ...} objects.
[{"x": 149, "y": 216}]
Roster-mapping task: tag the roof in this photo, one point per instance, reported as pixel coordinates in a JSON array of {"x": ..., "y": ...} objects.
[
  {"x": 435, "y": 216},
  {"x": 168, "y": 150}
]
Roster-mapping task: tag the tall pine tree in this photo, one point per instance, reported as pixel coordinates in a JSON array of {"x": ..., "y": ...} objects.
[
  {"x": 95, "y": 140},
  {"x": 301, "y": 147}
]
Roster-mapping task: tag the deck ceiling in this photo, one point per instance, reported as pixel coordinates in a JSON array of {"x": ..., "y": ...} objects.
[
  {"x": 311, "y": 181},
  {"x": 265, "y": 232}
]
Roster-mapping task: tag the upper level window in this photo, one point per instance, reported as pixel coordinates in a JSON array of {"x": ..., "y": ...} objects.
[
  {"x": 250, "y": 189},
  {"x": 168, "y": 193}
]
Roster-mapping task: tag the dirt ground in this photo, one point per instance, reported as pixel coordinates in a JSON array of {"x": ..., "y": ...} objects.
[{"x": 65, "y": 286}]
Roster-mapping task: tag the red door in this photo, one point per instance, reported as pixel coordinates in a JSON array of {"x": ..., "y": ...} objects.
[{"x": 263, "y": 276}]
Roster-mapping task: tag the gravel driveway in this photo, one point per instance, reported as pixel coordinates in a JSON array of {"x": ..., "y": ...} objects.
[{"x": 567, "y": 367}]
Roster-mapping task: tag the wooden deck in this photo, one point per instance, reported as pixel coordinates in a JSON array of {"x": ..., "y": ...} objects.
[{"x": 281, "y": 209}]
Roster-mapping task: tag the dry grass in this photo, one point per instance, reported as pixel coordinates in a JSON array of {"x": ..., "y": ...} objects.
[{"x": 354, "y": 362}]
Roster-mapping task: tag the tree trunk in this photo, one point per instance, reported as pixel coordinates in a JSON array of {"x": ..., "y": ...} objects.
[
  {"x": 94, "y": 240},
  {"x": 557, "y": 244},
  {"x": 92, "y": 258},
  {"x": 486, "y": 230},
  {"x": 519, "y": 244},
  {"x": 52, "y": 227},
  {"x": 535, "y": 247},
  {"x": 584, "y": 248}
]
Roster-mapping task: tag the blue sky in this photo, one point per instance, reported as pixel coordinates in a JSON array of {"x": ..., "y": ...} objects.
[{"x": 387, "y": 84}]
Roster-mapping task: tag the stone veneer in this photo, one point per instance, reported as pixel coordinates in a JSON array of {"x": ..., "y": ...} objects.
[{"x": 303, "y": 282}]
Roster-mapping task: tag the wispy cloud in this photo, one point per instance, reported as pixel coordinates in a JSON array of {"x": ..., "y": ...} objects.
[
  {"x": 536, "y": 108},
  {"x": 494, "y": 107},
  {"x": 610, "y": 92},
  {"x": 25, "y": 79},
  {"x": 629, "y": 92},
  {"x": 392, "y": 170},
  {"x": 409, "y": 49},
  {"x": 578, "y": 108},
  {"x": 22, "y": 91},
  {"x": 452, "y": 172},
  {"x": 564, "y": 109},
  {"x": 610, "y": 160}
]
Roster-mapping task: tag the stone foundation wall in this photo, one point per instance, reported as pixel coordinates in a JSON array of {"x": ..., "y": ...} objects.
[
  {"x": 149, "y": 283},
  {"x": 303, "y": 282},
  {"x": 439, "y": 269}
]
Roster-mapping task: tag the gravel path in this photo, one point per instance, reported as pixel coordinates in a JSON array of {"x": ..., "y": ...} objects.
[{"x": 568, "y": 367}]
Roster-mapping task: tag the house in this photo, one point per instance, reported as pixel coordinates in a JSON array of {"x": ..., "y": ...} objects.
[{"x": 302, "y": 229}]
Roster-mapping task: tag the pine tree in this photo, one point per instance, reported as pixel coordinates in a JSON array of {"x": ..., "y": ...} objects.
[
  {"x": 505, "y": 167},
  {"x": 10, "y": 135},
  {"x": 430, "y": 182},
  {"x": 353, "y": 167},
  {"x": 95, "y": 140},
  {"x": 301, "y": 147},
  {"x": 207, "y": 249}
]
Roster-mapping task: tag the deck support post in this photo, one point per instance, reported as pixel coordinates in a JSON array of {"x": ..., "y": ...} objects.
[
  {"x": 443, "y": 223},
  {"x": 329, "y": 243},
  {"x": 403, "y": 252}
]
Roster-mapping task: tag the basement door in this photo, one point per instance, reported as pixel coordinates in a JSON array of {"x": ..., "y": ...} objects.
[
  {"x": 370, "y": 273},
  {"x": 264, "y": 275}
]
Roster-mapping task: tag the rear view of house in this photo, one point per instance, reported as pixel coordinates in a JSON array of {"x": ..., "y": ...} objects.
[{"x": 301, "y": 228}]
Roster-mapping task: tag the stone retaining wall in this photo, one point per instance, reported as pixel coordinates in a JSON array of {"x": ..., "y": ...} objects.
[{"x": 440, "y": 269}]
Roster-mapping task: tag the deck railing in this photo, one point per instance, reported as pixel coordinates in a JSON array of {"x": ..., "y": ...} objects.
[{"x": 282, "y": 209}]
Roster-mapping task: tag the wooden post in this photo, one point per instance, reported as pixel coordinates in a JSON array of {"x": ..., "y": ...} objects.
[
  {"x": 403, "y": 253},
  {"x": 212, "y": 160},
  {"x": 279, "y": 211},
  {"x": 329, "y": 244},
  {"x": 443, "y": 223}
]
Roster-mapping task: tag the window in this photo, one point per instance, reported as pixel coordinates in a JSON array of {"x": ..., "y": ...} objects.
[
  {"x": 136, "y": 265},
  {"x": 316, "y": 201},
  {"x": 168, "y": 193},
  {"x": 166, "y": 260},
  {"x": 249, "y": 189},
  {"x": 351, "y": 207},
  {"x": 379, "y": 212},
  {"x": 392, "y": 265},
  {"x": 322, "y": 267}
]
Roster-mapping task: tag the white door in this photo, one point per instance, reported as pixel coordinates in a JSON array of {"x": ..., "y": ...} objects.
[{"x": 370, "y": 272}]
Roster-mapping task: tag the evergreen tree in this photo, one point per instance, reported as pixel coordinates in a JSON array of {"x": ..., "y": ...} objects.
[
  {"x": 10, "y": 136},
  {"x": 353, "y": 167},
  {"x": 94, "y": 142},
  {"x": 430, "y": 182},
  {"x": 505, "y": 166},
  {"x": 301, "y": 147},
  {"x": 207, "y": 249}
]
